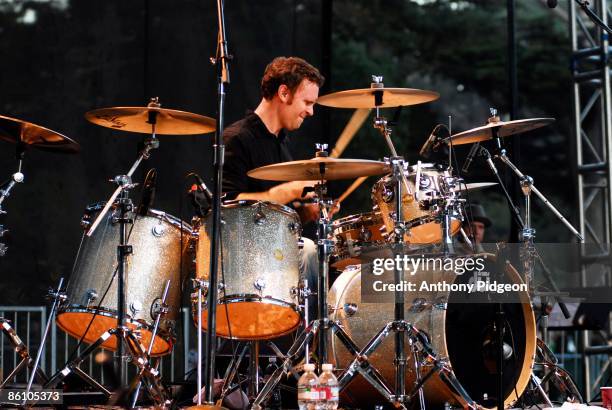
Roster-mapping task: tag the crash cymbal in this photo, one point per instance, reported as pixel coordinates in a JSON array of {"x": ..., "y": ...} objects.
[
  {"x": 23, "y": 132},
  {"x": 505, "y": 129},
  {"x": 136, "y": 119},
  {"x": 310, "y": 169},
  {"x": 365, "y": 98},
  {"x": 473, "y": 186}
]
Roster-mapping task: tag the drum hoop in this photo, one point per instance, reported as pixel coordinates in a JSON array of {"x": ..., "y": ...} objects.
[
  {"x": 239, "y": 203},
  {"x": 166, "y": 334},
  {"x": 357, "y": 221},
  {"x": 172, "y": 220},
  {"x": 240, "y": 297}
]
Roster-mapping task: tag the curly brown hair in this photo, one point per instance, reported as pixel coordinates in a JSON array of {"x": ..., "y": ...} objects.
[{"x": 289, "y": 71}]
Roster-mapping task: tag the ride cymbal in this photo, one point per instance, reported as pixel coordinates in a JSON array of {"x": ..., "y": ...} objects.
[
  {"x": 503, "y": 128},
  {"x": 24, "y": 132},
  {"x": 139, "y": 119},
  {"x": 367, "y": 98},
  {"x": 320, "y": 168}
]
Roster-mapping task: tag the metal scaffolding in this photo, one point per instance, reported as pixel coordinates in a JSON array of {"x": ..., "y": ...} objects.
[{"x": 593, "y": 146}]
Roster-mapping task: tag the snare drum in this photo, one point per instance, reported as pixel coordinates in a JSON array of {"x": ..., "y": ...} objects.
[
  {"x": 159, "y": 241},
  {"x": 421, "y": 215},
  {"x": 260, "y": 262},
  {"x": 352, "y": 234}
]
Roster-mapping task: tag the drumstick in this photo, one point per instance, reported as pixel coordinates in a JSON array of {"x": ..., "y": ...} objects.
[
  {"x": 349, "y": 131},
  {"x": 350, "y": 190}
]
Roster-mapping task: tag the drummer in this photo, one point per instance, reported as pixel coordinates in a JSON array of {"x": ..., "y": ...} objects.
[{"x": 289, "y": 89}]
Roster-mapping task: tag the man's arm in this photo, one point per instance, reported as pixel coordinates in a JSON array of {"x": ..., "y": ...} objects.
[{"x": 282, "y": 194}]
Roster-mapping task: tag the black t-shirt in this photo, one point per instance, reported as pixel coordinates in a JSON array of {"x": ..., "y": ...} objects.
[{"x": 249, "y": 145}]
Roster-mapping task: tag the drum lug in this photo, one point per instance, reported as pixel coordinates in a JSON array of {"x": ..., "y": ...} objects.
[
  {"x": 259, "y": 218},
  {"x": 350, "y": 309},
  {"x": 158, "y": 230},
  {"x": 135, "y": 307},
  {"x": 259, "y": 284},
  {"x": 419, "y": 305},
  {"x": 91, "y": 296},
  {"x": 295, "y": 228}
]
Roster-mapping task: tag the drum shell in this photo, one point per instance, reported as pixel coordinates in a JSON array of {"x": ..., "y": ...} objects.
[
  {"x": 353, "y": 233},
  {"x": 260, "y": 246},
  {"x": 157, "y": 248},
  {"x": 436, "y": 321}
]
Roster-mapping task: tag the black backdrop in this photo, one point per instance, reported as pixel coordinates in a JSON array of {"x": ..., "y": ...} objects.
[{"x": 62, "y": 59}]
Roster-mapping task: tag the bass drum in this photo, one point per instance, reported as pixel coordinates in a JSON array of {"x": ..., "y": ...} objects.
[
  {"x": 457, "y": 331},
  {"x": 159, "y": 242}
]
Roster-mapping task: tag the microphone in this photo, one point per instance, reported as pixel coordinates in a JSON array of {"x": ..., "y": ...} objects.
[
  {"x": 148, "y": 192},
  {"x": 203, "y": 186},
  {"x": 551, "y": 4},
  {"x": 429, "y": 145},
  {"x": 470, "y": 158}
]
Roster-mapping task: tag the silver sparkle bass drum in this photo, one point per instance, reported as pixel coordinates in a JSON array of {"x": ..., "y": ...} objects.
[
  {"x": 460, "y": 334},
  {"x": 159, "y": 242},
  {"x": 259, "y": 270}
]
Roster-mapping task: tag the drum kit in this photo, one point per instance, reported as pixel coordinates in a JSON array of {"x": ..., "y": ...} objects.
[{"x": 138, "y": 254}]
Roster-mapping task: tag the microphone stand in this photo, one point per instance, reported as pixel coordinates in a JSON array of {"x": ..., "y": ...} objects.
[{"x": 222, "y": 62}]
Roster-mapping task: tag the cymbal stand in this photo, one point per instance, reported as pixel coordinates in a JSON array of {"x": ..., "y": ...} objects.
[
  {"x": 16, "y": 178},
  {"x": 126, "y": 208},
  {"x": 399, "y": 326},
  {"x": 319, "y": 327}
]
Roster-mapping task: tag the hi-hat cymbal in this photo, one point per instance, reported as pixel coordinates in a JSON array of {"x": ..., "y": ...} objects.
[
  {"x": 504, "y": 129},
  {"x": 366, "y": 98},
  {"x": 474, "y": 186},
  {"x": 23, "y": 132},
  {"x": 320, "y": 168},
  {"x": 137, "y": 119}
]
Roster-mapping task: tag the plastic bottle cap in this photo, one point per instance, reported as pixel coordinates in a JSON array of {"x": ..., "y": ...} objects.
[
  {"x": 309, "y": 367},
  {"x": 327, "y": 367}
]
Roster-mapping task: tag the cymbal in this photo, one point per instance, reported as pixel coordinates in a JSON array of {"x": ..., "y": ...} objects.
[
  {"x": 473, "y": 186},
  {"x": 19, "y": 131},
  {"x": 136, "y": 119},
  {"x": 364, "y": 98},
  {"x": 505, "y": 129},
  {"x": 310, "y": 169}
]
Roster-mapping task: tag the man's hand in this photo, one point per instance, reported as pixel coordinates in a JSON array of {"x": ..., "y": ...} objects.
[{"x": 289, "y": 191}]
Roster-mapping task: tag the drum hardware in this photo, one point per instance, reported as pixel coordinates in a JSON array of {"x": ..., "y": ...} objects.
[
  {"x": 57, "y": 297},
  {"x": 158, "y": 310},
  {"x": 319, "y": 327},
  {"x": 557, "y": 374},
  {"x": 139, "y": 358},
  {"x": 22, "y": 350},
  {"x": 495, "y": 130},
  {"x": 121, "y": 197},
  {"x": 24, "y": 135}
]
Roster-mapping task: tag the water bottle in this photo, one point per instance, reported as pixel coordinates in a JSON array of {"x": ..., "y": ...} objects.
[
  {"x": 308, "y": 389},
  {"x": 328, "y": 388}
]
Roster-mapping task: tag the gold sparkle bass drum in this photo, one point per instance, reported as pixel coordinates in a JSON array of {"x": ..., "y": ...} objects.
[{"x": 460, "y": 334}]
